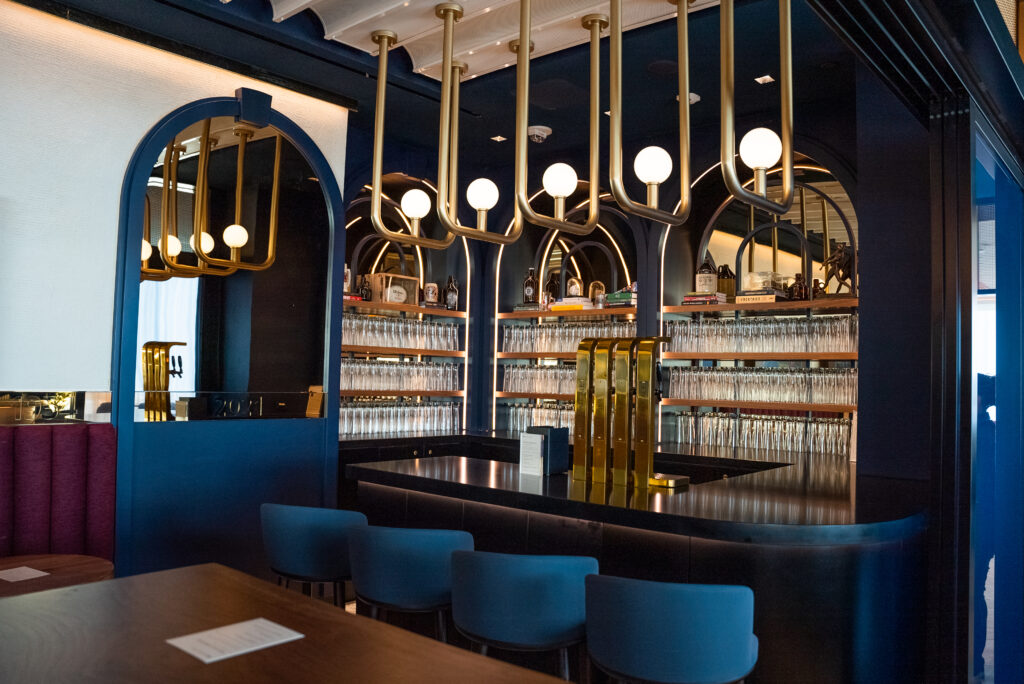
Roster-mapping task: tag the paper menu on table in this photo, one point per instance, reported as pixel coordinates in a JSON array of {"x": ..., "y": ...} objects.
[
  {"x": 21, "y": 573},
  {"x": 233, "y": 640},
  {"x": 531, "y": 454}
]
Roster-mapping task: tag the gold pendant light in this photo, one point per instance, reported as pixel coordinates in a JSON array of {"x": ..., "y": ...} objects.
[
  {"x": 760, "y": 148},
  {"x": 653, "y": 164},
  {"x": 559, "y": 179}
]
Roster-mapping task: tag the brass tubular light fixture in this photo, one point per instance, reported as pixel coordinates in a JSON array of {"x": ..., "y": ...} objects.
[
  {"x": 560, "y": 180},
  {"x": 653, "y": 164},
  {"x": 169, "y": 223},
  {"x": 149, "y": 273},
  {"x": 235, "y": 236},
  {"x": 482, "y": 193},
  {"x": 384, "y": 40},
  {"x": 728, "y": 148}
]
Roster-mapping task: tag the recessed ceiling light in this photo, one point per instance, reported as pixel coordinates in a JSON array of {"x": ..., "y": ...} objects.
[
  {"x": 499, "y": 138},
  {"x": 763, "y": 80}
]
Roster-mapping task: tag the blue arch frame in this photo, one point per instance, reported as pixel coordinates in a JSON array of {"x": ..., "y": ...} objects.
[{"x": 254, "y": 107}]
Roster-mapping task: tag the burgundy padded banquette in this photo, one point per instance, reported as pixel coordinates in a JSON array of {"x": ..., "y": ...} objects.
[{"x": 57, "y": 489}]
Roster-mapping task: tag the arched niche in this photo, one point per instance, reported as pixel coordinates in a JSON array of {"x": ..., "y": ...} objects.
[{"x": 718, "y": 224}]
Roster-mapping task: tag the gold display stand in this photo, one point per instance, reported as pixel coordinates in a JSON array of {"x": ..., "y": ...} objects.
[
  {"x": 617, "y": 397},
  {"x": 156, "y": 380}
]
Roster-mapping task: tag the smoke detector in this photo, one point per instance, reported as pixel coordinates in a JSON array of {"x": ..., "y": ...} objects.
[{"x": 538, "y": 134}]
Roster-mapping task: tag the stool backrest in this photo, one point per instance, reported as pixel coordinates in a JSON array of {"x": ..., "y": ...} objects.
[
  {"x": 309, "y": 543},
  {"x": 524, "y": 601},
  {"x": 666, "y": 632},
  {"x": 408, "y": 569}
]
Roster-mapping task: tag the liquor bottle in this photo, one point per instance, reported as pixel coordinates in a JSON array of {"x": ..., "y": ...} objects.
[
  {"x": 364, "y": 290},
  {"x": 707, "y": 277},
  {"x": 530, "y": 288},
  {"x": 451, "y": 294},
  {"x": 551, "y": 287},
  {"x": 798, "y": 290},
  {"x": 726, "y": 281}
]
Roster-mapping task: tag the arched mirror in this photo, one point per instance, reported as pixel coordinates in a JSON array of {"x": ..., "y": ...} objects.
[{"x": 233, "y": 277}]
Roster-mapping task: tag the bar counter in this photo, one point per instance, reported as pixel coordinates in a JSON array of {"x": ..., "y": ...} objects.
[{"x": 835, "y": 560}]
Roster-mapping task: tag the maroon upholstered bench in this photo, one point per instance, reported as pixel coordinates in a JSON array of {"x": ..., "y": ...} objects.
[{"x": 57, "y": 489}]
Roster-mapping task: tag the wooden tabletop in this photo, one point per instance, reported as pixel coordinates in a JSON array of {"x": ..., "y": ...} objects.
[
  {"x": 64, "y": 570},
  {"x": 115, "y": 632}
]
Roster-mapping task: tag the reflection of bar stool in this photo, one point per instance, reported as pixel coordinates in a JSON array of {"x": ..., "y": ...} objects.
[
  {"x": 406, "y": 570},
  {"x": 665, "y": 632},
  {"x": 309, "y": 545},
  {"x": 521, "y": 603}
]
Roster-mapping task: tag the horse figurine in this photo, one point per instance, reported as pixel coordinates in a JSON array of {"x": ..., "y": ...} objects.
[{"x": 839, "y": 265}]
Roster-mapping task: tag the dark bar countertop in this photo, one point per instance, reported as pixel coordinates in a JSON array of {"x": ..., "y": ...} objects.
[{"x": 815, "y": 500}]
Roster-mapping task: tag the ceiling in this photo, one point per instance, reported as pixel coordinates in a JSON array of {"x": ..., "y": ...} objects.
[{"x": 482, "y": 34}]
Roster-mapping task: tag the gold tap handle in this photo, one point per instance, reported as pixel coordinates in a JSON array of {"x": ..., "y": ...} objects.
[
  {"x": 622, "y": 454},
  {"x": 581, "y": 453},
  {"x": 603, "y": 354}
]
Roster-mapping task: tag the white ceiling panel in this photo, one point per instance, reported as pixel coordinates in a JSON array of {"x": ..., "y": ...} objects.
[{"x": 481, "y": 37}]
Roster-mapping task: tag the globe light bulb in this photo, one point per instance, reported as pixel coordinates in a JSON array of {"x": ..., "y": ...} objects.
[
  {"x": 652, "y": 165},
  {"x": 235, "y": 236},
  {"x": 173, "y": 246},
  {"x": 415, "y": 204},
  {"x": 760, "y": 148},
  {"x": 206, "y": 241},
  {"x": 147, "y": 250},
  {"x": 482, "y": 194},
  {"x": 559, "y": 180}
]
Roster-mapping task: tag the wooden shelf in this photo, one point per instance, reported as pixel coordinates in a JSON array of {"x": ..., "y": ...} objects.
[
  {"x": 532, "y": 395},
  {"x": 576, "y": 313},
  {"x": 758, "y": 356},
  {"x": 829, "y": 303},
  {"x": 405, "y": 308},
  {"x": 767, "y": 405},
  {"x": 399, "y": 351},
  {"x": 401, "y": 393},
  {"x": 564, "y": 356}
]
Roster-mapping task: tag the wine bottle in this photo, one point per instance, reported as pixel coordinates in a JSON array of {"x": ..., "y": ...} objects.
[
  {"x": 530, "y": 288},
  {"x": 551, "y": 287},
  {"x": 451, "y": 294},
  {"x": 707, "y": 277}
]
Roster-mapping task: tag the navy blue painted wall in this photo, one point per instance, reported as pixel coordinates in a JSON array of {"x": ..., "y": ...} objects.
[{"x": 894, "y": 215}]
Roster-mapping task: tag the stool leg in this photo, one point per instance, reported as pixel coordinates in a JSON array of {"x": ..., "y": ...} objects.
[
  {"x": 442, "y": 627},
  {"x": 307, "y": 589},
  {"x": 584, "y": 664},
  {"x": 320, "y": 590},
  {"x": 563, "y": 663},
  {"x": 483, "y": 649},
  {"x": 287, "y": 582},
  {"x": 278, "y": 580},
  {"x": 374, "y": 612},
  {"x": 338, "y": 588}
]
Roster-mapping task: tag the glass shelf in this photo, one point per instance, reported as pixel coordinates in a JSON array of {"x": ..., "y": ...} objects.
[{"x": 534, "y": 395}]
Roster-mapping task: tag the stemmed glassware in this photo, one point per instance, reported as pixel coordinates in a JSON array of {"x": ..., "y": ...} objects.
[
  {"x": 560, "y": 338},
  {"x": 399, "y": 333},
  {"x": 365, "y": 418}
]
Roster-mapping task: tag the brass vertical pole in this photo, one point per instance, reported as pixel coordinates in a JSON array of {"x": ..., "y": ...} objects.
[
  {"x": 775, "y": 244},
  {"x": 647, "y": 398},
  {"x": 581, "y": 455},
  {"x": 602, "y": 403},
  {"x": 753, "y": 243},
  {"x": 826, "y": 245},
  {"x": 622, "y": 454},
  {"x": 803, "y": 226}
]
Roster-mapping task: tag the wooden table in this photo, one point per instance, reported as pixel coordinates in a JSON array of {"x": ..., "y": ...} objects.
[
  {"x": 65, "y": 570},
  {"x": 115, "y": 632}
]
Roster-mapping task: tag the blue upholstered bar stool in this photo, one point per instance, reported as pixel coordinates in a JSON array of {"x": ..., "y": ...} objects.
[
  {"x": 309, "y": 545},
  {"x": 670, "y": 633},
  {"x": 407, "y": 570},
  {"x": 520, "y": 602}
]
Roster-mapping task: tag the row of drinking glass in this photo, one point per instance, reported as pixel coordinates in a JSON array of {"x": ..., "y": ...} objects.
[
  {"x": 521, "y": 417},
  {"x": 540, "y": 379},
  {"x": 399, "y": 333},
  {"x": 560, "y": 337},
  {"x": 386, "y": 375},
  {"x": 764, "y": 433},
  {"x": 394, "y": 417},
  {"x": 799, "y": 385},
  {"x": 764, "y": 335}
]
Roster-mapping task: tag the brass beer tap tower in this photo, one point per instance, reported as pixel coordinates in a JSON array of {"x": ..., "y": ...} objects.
[{"x": 616, "y": 376}]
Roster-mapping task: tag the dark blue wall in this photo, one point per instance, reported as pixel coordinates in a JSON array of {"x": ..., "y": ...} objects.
[{"x": 894, "y": 216}]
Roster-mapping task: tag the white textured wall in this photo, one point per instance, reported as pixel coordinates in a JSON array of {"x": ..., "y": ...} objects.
[{"x": 74, "y": 104}]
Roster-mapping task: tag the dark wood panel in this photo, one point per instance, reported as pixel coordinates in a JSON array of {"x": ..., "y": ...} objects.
[{"x": 115, "y": 631}]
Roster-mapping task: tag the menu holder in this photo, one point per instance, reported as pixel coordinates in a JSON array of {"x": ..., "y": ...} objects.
[{"x": 544, "y": 450}]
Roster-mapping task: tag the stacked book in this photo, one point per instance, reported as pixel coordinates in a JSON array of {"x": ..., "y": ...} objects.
[
  {"x": 766, "y": 294},
  {"x": 620, "y": 299},
  {"x": 696, "y": 298},
  {"x": 572, "y": 304}
]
